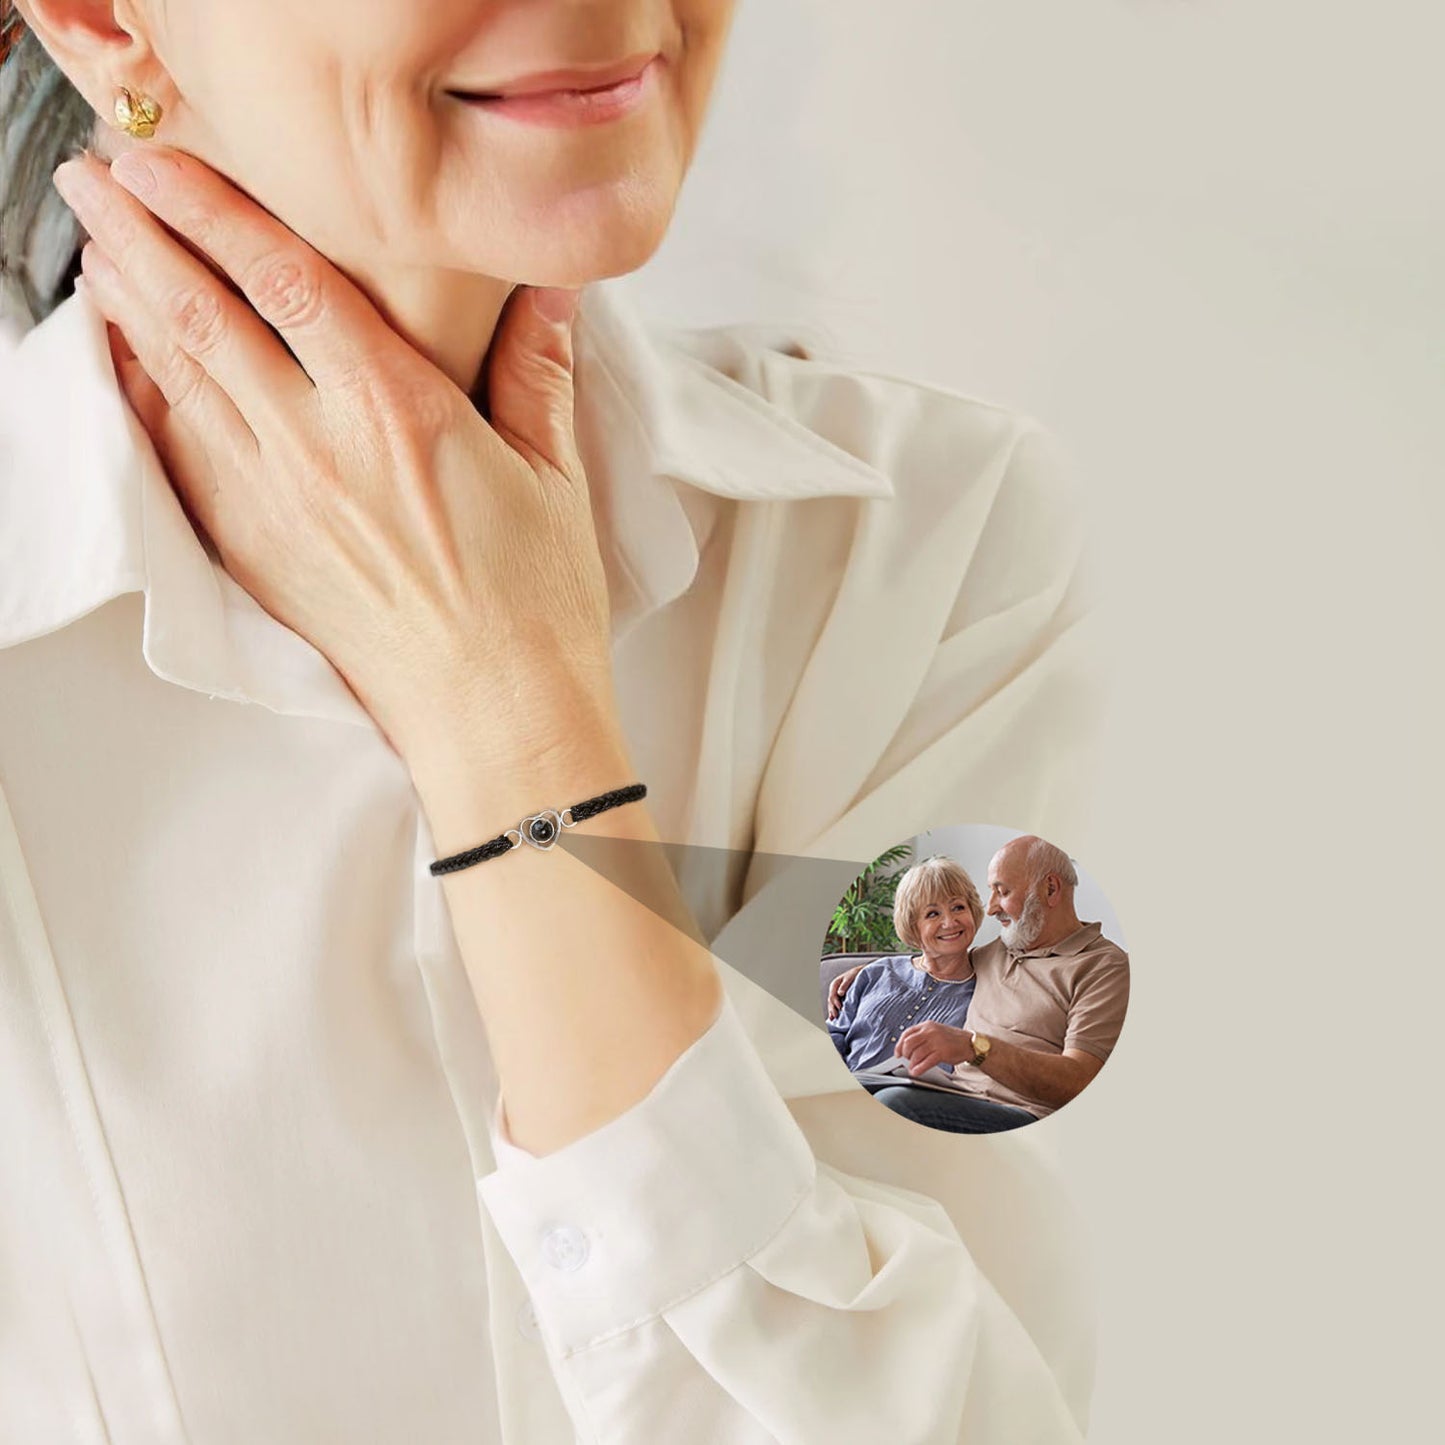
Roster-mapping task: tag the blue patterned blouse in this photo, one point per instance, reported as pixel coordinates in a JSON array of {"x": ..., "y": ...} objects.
[{"x": 888, "y": 996}]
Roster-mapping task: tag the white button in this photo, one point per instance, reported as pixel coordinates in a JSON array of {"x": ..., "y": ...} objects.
[
  {"x": 565, "y": 1248},
  {"x": 527, "y": 1325}
]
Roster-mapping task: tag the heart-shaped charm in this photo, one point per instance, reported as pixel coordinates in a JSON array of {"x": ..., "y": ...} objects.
[{"x": 542, "y": 829}]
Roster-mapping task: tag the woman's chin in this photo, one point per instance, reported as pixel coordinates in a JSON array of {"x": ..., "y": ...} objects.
[
  {"x": 619, "y": 256},
  {"x": 582, "y": 235}
]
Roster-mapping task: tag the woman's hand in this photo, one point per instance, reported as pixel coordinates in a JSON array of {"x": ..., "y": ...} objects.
[
  {"x": 931, "y": 1043},
  {"x": 839, "y": 987},
  {"x": 447, "y": 567}
]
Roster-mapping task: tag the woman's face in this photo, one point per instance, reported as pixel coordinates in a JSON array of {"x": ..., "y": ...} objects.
[
  {"x": 394, "y": 129},
  {"x": 946, "y": 928}
]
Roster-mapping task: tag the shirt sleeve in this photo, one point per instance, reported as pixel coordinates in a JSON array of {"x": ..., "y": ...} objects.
[
  {"x": 1096, "y": 1015},
  {"x": 702, "y": 1258},
  {"x": 847, "y": 1013},
  {"x": 692, "y": 1259}
]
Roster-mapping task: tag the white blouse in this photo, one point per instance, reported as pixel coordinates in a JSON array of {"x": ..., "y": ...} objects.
[{"x": 252, "y": 1183}]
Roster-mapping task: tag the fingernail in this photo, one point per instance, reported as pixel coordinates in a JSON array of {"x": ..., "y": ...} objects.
[
  {"x": 555, "y": 304},
  {"x": 134, "y": 172}
]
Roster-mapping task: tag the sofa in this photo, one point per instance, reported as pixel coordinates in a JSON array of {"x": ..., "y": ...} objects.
[{"x": 832, "y": 964}]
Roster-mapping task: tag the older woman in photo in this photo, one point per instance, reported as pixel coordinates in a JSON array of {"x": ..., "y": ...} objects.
[
  {"x": 347, "y": 564},
  {"x": 937, "y": 910}
]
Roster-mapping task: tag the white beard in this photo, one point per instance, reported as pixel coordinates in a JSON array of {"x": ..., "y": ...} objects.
[{"x": 1023, "y": 932}]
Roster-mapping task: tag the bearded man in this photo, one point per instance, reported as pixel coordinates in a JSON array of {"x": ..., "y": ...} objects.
[{"x": 1046, "y": 1012}]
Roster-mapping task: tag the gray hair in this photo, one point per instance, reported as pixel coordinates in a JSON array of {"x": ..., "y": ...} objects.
[
  {"x": 1044, "y": 858},
  {"x": 43, "y": 120}
]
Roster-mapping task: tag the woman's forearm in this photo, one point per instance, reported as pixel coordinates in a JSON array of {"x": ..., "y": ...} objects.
[
  {"x": 587, "y": 992},
  {"x": 447, "y": 565}
]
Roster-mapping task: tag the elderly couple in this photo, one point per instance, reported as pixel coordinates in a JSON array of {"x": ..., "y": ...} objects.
[{"x": 1019, "y": 1025}]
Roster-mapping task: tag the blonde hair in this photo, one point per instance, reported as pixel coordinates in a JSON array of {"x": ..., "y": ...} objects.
[{"x": 935, "y": 880}]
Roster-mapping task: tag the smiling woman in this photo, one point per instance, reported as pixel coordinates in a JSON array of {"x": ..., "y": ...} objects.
[
  {"x": 402, "y": 148},
  {"x": 575, "y": 97},
  {"x": 355, "y": 560}
]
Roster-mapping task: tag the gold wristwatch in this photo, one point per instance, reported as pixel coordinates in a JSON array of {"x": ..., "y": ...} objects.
[{"x": 981, "y": 1046}]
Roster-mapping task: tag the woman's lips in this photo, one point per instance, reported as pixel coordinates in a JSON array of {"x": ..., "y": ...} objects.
[{"x": 575, "y": 98}]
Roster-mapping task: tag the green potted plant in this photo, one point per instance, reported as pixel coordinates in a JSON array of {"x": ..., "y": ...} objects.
[{"x": 863, "y": 920}]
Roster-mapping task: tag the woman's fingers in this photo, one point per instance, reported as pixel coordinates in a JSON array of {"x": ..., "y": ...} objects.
[
  {"x": 326, "y": 321},
  {"x": 174, "y": 443},
  {"x": 190, "y": 394},
  {"x": 146, "y": 399},
  {"x": 172, "y": 396},
  {"x": 195, "y": 324},
  {"x": 529, "y": 377}
]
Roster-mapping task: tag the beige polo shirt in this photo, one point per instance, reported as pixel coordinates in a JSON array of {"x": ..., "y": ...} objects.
[{"x": 1070, "y": 996}]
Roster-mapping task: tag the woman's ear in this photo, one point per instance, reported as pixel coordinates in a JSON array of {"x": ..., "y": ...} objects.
[{"x": 101, "y": 45}]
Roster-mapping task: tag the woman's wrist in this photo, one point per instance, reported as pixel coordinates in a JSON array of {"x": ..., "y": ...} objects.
[{"x": 475, "y": 782}]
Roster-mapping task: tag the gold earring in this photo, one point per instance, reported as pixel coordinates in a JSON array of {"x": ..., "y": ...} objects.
[{"x": 136, "y": 113}]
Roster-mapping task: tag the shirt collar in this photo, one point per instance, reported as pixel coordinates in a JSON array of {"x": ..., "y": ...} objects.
[
  {"x": 88, "y": 513},
  {"x": 1075, "y": 942}
]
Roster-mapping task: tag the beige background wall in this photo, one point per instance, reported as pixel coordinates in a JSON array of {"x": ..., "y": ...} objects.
[{"x": 1202, "y": 240}]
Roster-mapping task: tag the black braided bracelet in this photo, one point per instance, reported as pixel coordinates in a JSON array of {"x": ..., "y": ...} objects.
[{"x": 541, "y": 830}]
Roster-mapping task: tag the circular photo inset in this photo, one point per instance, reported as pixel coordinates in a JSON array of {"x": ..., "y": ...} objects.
[{"x": 974, "y": 979}]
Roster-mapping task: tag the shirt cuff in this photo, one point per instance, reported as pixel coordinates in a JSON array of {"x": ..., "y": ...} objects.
[{"x": 614, "y": 1228}]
